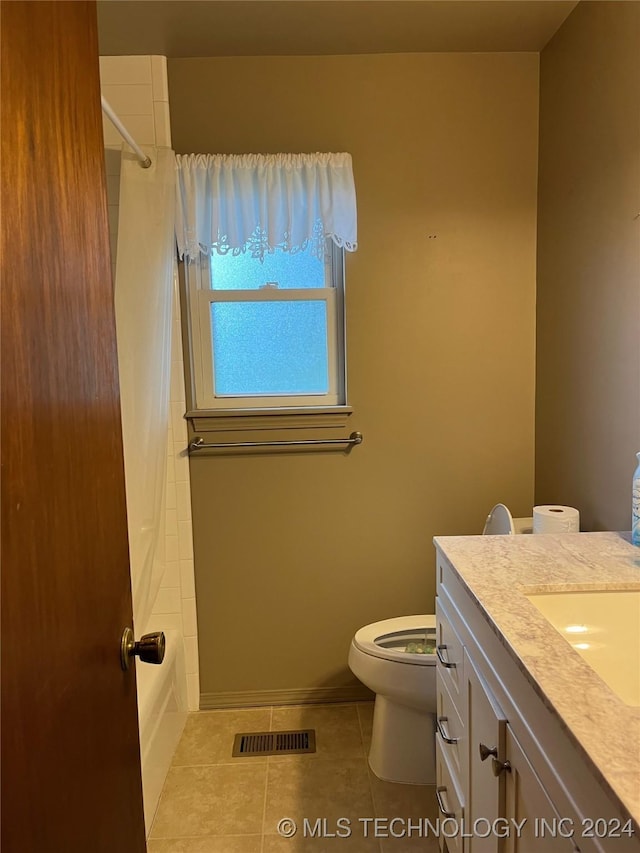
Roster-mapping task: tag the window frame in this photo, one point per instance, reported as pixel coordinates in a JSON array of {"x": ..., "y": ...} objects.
[{"x": 208, "y": 412}]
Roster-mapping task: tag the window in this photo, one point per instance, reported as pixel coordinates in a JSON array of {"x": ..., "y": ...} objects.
[
  {"x": 263, "y": 237},
  {"x": 268, "y": 333}
]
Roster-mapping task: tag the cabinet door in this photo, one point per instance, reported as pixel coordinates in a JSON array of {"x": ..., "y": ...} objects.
[
  {"x": 532, "y": 818},
  {"x": 486, "y": 744}
]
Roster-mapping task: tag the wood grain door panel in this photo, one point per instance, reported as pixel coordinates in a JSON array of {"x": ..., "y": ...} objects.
[{"x": 70, "y": 752}]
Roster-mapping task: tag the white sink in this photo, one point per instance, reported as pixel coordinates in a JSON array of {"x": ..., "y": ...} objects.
[{"x": 604, "y": 627}]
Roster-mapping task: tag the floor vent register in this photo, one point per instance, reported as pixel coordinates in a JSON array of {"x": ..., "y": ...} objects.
[{"x": 274, "y": 743}]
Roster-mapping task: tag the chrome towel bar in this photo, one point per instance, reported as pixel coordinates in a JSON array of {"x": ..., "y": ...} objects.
[{"x": 198, "y": 443}]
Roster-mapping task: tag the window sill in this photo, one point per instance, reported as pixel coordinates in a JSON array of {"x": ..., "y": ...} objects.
[{"x": 245, "y": 420}]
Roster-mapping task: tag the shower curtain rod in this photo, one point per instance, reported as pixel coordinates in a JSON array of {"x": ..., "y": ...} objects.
[{"x": 145, "y": 161}]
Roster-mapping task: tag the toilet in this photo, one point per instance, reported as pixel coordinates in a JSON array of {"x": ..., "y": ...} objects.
[
  {"x": 403, "y": 738},
  {"x": 396, "y": 659}
]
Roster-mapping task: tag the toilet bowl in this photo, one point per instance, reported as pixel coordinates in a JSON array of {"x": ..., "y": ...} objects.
[
  {"x": 403, "y": 740},
  {"x": 396, "y": 659}
]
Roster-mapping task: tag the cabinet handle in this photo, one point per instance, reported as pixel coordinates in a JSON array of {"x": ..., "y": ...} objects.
[
  {"x": 441, "y": 730},
  {"x": 441, "y": 804},
  {"x": 499, "y": 766},
  {"x": 445, "y": 663},
  {"x": 485, "y": 752}
]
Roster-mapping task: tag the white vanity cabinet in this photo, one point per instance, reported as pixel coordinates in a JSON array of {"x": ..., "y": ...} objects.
[{"x": 504, "y": 764}]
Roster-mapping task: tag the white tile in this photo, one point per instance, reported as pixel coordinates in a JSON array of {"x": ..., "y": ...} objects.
[
  {"x": 172, "y": 502},
  {"x": 168, "y": 601},
  {"x": 125, "y": 69},
  {"x": 178, "y": 422},
  {"x": 176, "y": 291},
  {"x": 164, "y": 622},
  {"x": 180, "y": 398},
  {"x": 176, "y": 295},
  {"x": 183, "y": 498},
  {"x": 180, "y": 394},
  {"x": 172, "y": 548},
  {"x": 171, "y": 470},
  {"x": 177, "y": 350},
  {"x": 181, "y": 463},
  {"x": 142, "y": 128},
  {"x": 191, "y": 654},
  {"x": 176, "y": 344},
  {"x": 185, "y": 540},
  {"x": 113, "y": 189},
  {"x": 187, "y": 579},
  {"x": 177, "y": 382},
  {"x": 176, "y": 338},
  {"x": 179, "y": 448},
  {"x": 159, "y": 78},
  {"x": 171, "y": 576},
  {"x": 110, "y": 135},
  {"x": 162, "y": 121},
  {"x": 171, "y": 522},
  {"x": 189, "y": 618},
  {"x": 193, "y": 692},
  {"x": 129, "y": 100}
]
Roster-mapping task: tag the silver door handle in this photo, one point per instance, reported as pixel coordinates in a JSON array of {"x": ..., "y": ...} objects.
[{"x": 150, "y": 648}]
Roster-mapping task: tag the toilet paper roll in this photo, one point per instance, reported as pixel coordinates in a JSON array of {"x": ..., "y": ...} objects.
[{"x": 556, "y": 519}]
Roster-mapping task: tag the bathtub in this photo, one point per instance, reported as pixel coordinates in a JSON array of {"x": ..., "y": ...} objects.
[{"x": 162, "y": 713}]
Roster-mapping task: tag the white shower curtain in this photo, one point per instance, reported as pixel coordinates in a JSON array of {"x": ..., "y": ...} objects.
[{"x": 143, "y": 294}]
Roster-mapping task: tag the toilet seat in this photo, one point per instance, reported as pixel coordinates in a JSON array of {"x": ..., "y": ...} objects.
[
  {"x": 499, "y": 522},
  {"x": 410, "y": 628}
]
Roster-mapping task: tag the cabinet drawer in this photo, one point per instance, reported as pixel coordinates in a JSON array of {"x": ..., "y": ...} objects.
[
  {"x": 450, "y": 727},
  {"x": 450, "y": 655},
  {"x": 450, "y": 801}
]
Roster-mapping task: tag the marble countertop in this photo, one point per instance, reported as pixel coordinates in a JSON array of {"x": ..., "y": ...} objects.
[{"x": 498, "y": 572}]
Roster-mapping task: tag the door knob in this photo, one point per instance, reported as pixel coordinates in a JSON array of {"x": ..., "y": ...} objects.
[
  {"x": 149, "y": 648},
  {"x": 485, "y": 752},
  {"x": 500, "y": 766}
]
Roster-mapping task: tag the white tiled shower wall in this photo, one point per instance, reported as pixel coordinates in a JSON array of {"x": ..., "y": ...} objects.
[{"x": 136, "y": 88}]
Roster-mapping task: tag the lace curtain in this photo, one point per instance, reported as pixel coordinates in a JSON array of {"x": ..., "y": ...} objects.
[{"x": 259, "y": 202}]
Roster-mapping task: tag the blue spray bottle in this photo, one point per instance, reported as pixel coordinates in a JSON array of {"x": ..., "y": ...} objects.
[{"x": 635, "y": 505}]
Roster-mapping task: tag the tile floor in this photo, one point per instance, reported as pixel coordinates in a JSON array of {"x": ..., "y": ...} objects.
[{"x": 213, "y": 803}]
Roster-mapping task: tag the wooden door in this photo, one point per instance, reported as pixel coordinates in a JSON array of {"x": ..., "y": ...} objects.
[{"x": 70, "y": 755}]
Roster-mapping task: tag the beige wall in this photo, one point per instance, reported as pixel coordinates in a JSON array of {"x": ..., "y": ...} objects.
[
  {"x": 588, "y": 320},
  {"x": 293, "y": 553}
]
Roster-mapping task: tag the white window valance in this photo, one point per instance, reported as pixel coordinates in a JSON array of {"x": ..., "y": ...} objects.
[{"x": 259, "y": 202}]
